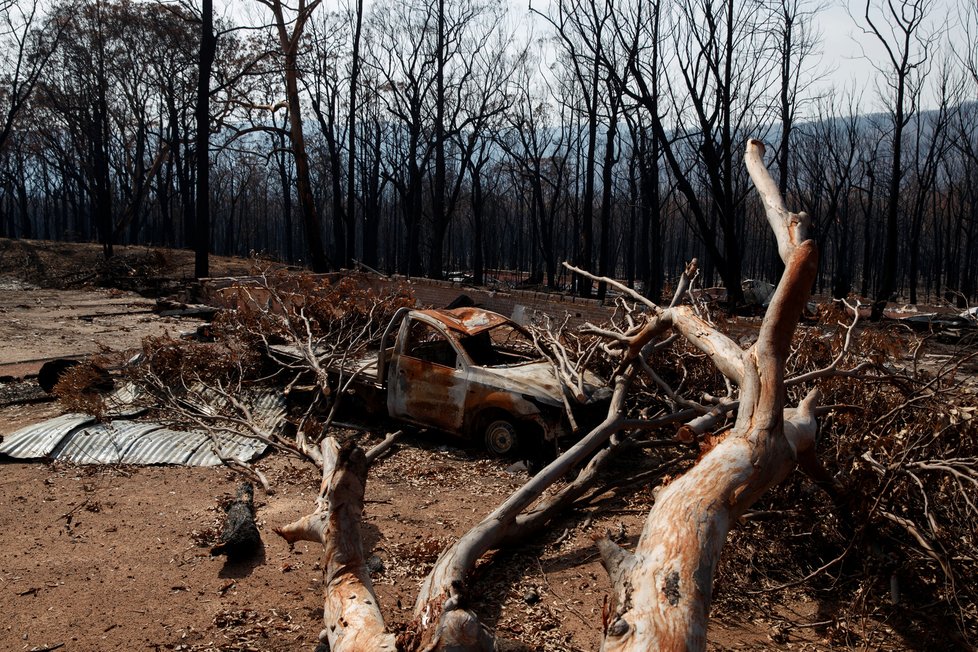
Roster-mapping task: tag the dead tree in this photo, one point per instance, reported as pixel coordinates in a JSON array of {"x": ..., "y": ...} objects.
[{"x": 663, "y": 588}]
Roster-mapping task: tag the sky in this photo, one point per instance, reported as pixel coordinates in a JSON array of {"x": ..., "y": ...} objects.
[{"x": 846, "y": 56}]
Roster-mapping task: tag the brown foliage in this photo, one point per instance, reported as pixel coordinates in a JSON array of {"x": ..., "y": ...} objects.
[
  {"x": 283, "y": 302},
  {"x": 81, "y": 389},
  {"x": 899, "y": 530},
  {"x": 178, "y": 362}
]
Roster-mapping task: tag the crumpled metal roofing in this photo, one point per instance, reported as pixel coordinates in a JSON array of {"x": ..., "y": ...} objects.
[
  {"x": 77, "y": 438},
  {"x": 40, "y": 439}
]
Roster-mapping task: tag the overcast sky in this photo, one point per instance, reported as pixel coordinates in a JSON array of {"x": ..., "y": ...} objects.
[{"x": 846, "y": 54}]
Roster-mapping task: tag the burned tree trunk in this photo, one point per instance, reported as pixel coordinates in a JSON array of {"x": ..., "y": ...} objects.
[{"x": 663, "y": 589}]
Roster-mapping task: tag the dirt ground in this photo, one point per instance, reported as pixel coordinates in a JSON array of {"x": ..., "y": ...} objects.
[
  {"x": 59, "y": 300},
  {"x": 112, "y": 558}
]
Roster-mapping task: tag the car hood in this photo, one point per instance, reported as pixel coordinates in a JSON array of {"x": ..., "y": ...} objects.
[{"x": 537, "y": 380}]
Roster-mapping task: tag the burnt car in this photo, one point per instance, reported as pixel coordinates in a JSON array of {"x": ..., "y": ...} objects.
[{"x": 475, "y": 374}]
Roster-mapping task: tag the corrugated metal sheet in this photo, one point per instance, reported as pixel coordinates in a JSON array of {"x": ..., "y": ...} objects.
[
  {"x": 123, "y": 401},
  {"x": 236, "y": 446},
  {"x": 76, "y": 438},
  {"x": 40, "y": 439},
  {"x": 104, "y": 443},
  {"x": 165, "y": 447},
  {"x": 122, "y": 442},
  {"x": 268, "y": 408}
]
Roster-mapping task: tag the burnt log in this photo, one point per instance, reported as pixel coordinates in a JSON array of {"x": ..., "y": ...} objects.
[{"x": 240, "y": 538}]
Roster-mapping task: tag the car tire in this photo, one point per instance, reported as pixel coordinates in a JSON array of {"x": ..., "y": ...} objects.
[{"x": 501, "y": 438}]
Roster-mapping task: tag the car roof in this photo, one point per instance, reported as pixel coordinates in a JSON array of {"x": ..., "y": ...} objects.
[{"x": 468, "y": 321}]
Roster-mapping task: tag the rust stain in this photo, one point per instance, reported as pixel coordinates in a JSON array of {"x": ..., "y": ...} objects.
[{"x": 469, "y": 321}]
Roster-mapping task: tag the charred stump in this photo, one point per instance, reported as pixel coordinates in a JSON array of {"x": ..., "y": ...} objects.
[{"x": 240, "y": 538}]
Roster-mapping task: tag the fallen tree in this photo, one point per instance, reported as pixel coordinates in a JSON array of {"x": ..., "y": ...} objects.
[
  {"x": 351, "y": 613},
  {"x": 662, "y": 589}
]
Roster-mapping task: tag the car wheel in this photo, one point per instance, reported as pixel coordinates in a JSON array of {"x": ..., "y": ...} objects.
[{"x": 501, "y": 437}]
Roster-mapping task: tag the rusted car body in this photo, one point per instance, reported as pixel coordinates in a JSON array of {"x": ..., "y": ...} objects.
[{"x": 469, "y": 372}]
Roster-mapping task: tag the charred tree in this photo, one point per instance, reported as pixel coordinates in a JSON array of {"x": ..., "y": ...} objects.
[
  {"x": 202, "y": 213},
  {"x": 290, "y": 33},
  {"x": 905, "y": 55}
]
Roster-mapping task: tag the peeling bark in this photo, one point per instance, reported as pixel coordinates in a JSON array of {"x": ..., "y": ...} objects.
[
  {"x": 663, "y": 591},
  {"x": 352, "y": 618}
]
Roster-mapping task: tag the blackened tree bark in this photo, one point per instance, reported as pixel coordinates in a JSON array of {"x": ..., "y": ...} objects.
[
  {"x": 351, "y": 185},
  {"x": 98, "y": 139},
  {"x": 899, "y": 30},
  {"x": 325, "y": 105},
  {"x": 439, "y": 218},
  {"x": 829, "y": 154},
  {"x": 795, "y": 42},
  {"x": 403, "y": 66},
  {"x": 472, "y": 71},
  {"x": 373, "y": 188},
  {"x": 932, "y": 145},
  {"x": 286, "y": 178},
  {"x": 605, "y": 262},
  {"x": 202, "y": 216},
  {"x": 581, "y": 24},
  {"x": 645, "y": 151},
  {"x": 538, "y": 151},
  {"x": 290, "y": 38}
]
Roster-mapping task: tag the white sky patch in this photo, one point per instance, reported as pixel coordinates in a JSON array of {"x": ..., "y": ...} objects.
[
  {"x": 852, "y": 56},
  {"x": 846, "y": 55}
]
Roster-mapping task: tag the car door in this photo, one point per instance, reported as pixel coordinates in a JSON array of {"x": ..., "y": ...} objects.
[{"x": 427, "y": 382}]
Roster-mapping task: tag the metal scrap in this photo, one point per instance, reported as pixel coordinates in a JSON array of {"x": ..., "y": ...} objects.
[{"x": 78, "y": 438}]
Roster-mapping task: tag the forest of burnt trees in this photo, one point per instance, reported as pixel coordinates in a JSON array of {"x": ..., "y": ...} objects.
[{"x": 430, "y": 137}]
